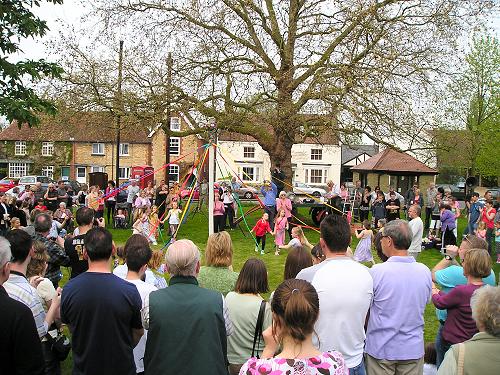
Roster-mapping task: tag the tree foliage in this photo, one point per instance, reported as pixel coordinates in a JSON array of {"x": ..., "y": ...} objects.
[
  {"x": 19, "y": 101},
  {"x": 470, "y": 141},
  {"x": 284, "y": 71}
]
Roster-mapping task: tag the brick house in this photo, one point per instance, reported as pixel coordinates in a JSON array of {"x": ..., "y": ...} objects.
[{"x": 72, "y": 145}]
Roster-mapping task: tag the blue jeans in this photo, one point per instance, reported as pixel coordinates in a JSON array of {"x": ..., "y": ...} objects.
[
  {"x": 359, "y": 369},
  {"x": 442, "y": 346}
]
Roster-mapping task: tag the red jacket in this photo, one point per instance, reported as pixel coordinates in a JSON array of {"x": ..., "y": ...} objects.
[{"x": 261, "y": 228}]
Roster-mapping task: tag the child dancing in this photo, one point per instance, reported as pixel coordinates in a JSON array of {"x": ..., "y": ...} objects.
[
  {"x": 261, "y": 229},
  {"x": 363, "y": 251},
  {"x": 173, "y": 218},
  {"x": 280, "y": 226}
]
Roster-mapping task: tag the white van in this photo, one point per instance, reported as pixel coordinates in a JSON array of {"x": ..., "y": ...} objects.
[{"x": 31, "y": 180}]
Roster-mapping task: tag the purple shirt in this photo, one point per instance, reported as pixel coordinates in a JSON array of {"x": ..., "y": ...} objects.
[
  {"x": 401, "y": 289},
  {"x": 459, "y": 325},
  {"x": 447, "y": 220}
]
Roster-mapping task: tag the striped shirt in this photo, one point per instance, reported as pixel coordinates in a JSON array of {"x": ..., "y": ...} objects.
[{"x": 18, "y": 288}]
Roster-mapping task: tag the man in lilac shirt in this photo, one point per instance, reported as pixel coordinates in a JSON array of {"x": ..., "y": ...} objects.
[{"x": 401, "y": 289}]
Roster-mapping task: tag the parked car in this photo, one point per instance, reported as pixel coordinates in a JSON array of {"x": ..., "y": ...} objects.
[
  {"x": 75, "y": 185},
  {"x": 300, "y": 188},
  {"x": 246, "y": 192},
  {"x": 456, "y": 191},
  {"x": 16, "y": 190},
  {"x": 31, "y": 180},
  {"x": 6, "y": 184}
]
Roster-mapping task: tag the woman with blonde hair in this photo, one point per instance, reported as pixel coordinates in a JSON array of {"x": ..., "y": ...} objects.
[
  {"x": 217, "y": 273},
  {"x": 46, "y": 291},
  {"x": 298, "y": 240}
]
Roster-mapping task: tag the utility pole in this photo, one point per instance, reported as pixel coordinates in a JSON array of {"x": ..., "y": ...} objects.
[
  {"x": 167, "y": 128},
  {"x": 119, "y": 102}
]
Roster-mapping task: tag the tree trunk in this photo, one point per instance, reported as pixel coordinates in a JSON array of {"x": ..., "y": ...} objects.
[{"x": 281, "y": 154}]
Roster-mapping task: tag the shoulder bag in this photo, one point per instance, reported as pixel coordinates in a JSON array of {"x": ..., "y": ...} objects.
[{"x": 258, "y": 329}]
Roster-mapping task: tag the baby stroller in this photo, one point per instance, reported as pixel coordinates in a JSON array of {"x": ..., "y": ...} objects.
[{"x": 121, "y": 215}]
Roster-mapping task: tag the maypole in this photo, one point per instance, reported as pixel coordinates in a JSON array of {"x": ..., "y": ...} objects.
[{"x": 211, "y": 177}]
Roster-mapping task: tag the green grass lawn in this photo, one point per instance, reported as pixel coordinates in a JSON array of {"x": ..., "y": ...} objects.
[{"x": 195, "y": 229}]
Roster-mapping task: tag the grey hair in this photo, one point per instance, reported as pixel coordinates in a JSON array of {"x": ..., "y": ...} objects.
[
  {"x": 417, "y": 209},
  {"x": 182, "y": 258},
  {"x": 400, "y": 232},
  {"x": 62, "y": 204},
  {"x": 5, "y": 253},
  {"x": 485, "y": 305}
]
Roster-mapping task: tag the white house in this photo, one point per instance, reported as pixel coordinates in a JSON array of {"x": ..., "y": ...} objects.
[{"x": 312, "y": 163}]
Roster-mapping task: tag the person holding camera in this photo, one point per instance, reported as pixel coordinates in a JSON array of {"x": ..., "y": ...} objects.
[
  {"x": 278, "y": 177},
  {"x": 270, "y": 192}
]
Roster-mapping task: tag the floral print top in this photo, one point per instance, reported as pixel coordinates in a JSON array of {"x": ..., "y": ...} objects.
[{"x": 328, "y": 363}]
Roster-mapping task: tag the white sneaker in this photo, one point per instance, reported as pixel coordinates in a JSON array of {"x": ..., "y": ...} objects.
[
  {"x": 256, "y": 249},
  {"x": 262, "y": 252}
]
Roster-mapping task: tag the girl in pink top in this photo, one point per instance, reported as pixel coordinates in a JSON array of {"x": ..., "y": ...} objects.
[
  {"x": 283, "y": 203},
  {"x": 280, "y": 225},
  {"x": 218, "y": 214}
]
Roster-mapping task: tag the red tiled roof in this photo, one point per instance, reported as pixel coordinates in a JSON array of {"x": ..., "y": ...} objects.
[
  {"x": 78, "y": 127},
  {"x": 391, "y": 160}
]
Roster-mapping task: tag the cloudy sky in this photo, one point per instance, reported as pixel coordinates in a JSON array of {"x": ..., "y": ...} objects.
[{"x": 69, "y": 13}]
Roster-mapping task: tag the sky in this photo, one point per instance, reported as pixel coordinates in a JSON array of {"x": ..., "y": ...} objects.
[{"x": 68, "y": 15}]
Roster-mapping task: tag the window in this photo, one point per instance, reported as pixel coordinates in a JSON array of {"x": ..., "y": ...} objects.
[
  {"x": 175, "y": 146},
  {"x": 97, "y": 148},
  {"x": 124, "y": 149},
  {"x": 250, "y": 174},
  {"x": 316, "y": 154},
  {"x": 175, "y": 124},
  {"x": 316, "y": 176},
  {"x": 173, "y": 171},
  {"x": 249, "y": 152},
  {"x": 17, "y": 170},
  {"x": 47, "y": 149},
  {"x": 20, "y": 148},
  {"x": 81, "y": 172},
  {"x": 48, "y": 171},
  {"x": 124, "y": 173},
  {"x": 96, "y": 168}
]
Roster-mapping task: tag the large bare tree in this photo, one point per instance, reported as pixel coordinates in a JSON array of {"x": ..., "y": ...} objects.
[{"x": 282, "y": 71}]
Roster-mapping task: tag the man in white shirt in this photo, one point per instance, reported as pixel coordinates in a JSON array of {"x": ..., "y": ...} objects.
[
  {"x": 138, "y": 255},
  {"x": 132, "y": 191},
  {"x": 345, "y": 290},
  {"x": 417, "y": 229}
]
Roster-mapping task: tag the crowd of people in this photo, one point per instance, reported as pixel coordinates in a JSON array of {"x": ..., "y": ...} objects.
[{"x": 330, "y": 315}]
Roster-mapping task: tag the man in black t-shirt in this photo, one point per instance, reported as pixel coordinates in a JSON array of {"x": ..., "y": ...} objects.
[
  {"x": 74, "y": 246},
  {"x": 103, "y": 313},
  {"x": 392, "y": 207}
]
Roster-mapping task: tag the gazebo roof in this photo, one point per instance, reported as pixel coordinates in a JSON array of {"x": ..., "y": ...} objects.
[{"x": 393, "y": 161}]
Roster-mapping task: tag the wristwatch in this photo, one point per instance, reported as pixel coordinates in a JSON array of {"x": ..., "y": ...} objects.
[{"x": 447, "y": 257}]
